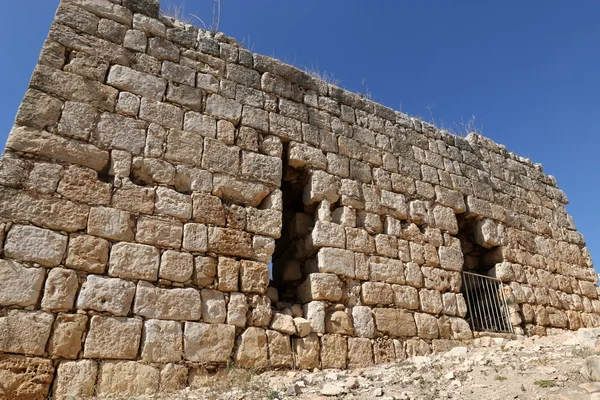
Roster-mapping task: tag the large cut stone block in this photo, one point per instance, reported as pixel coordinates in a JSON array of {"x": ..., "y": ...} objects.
[
  {"x": 318, "y": 286},
  {"x": 19, "y": 285},
  {"x": 127, "y": 378},
  {"x": 67, "y": 334},
  {"x": 395, "y": 322},
  {"x": 103, "y": 294},
  {"x": 239, "y": 191},
  {"x": 175, "y": 304},
  {"x": 134, "y": 261},
  {"x": 334, "y": 350},
  {"x": 364, "y": 326},
  {"x": 113, "y": 337},
  {"x": 254, "y": 277},
  {"x": 307, "y": 351},
  {"x": 328, "y": 234},
  {"x": 386, "y": 270},
  {"x": 208, "y": 343},
  {"x": 75, "y": 379},
  {"x": 61, "y": 289},
  {"x": 280, "y": 351},
  {"x": 158, "y": 231},
  {"x": 110, "y": 224},
  {"x": 230, "y": 242},
  {"x": 87, "y": 253},
  {"x": 25, "y": 377},
  {"x": 162, "y": 341},
  {"x": 213, "y": 306},
  {"x": 252, "y": 349},
  {"x": 360, "y": 352},
  {"x": 133, "y": 81},
  {"x": 28, "y": 243},
  {"x": 374, "y": 293},
  {"x": 25, "y": 332}
]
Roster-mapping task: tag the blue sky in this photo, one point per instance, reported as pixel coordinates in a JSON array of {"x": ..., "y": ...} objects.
[{"x": 527, "y": 69}]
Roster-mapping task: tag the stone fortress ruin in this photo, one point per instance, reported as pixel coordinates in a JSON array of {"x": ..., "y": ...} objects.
[{"x": 154, "y": 172}]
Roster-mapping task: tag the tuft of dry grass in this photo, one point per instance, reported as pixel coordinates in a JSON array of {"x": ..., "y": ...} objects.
[{"x": 328, "y": 77}]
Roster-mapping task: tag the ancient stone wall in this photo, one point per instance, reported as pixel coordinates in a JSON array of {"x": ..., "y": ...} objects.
[{"x": 155, "y": 171}]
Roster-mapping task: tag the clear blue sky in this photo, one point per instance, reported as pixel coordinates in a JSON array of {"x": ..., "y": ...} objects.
[{"x": 529, "y": 70}]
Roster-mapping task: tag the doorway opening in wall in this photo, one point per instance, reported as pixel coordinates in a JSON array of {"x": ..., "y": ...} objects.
[
  {"x": 289, "y": 257},
  {"x": 487, "y": 310}
]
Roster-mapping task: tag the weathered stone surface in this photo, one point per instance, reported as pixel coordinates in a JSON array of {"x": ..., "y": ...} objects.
[
  {"x": 110, "y": 224},
  {"x": 184, "y": 147},
  {"x": 222, "y": 108},
  {"x": 195, "y": 237},
  {"x": 280, "y": 351},
  {"x": 339, "y": 322},
  {"x": 427, "y": 326},
  {"x": 239, "y": 191},
  {"x": 75, "y": 379},
  {"x": 406, "y": 297},
  {"x": 173, "y": 378},
  {"x": 360, "y": 353},
  {"x": 283, "y": 323},
  {"x": 262, "y": 168},
  {"x": 334, "y": 350},
  {"x": 162, "y": 341},
  {"x": 362, "y": 318},
  {"x": 67, "y": 335},
  {"x": 254, "y": 277},
  {"x": 174, "y": 304},
  {"x": 208, "y": 209},
  {"x": 230, "y": 242},
  {"x": 431, "y": 301},
  {"x": 118, "y": 132},
  {"x": 87, "y": 253},
  {"x": 213, "y": 306},
  {"x": 25, "y": 377},
  {"x": 158, "y": 231},
  {"x": 103, "y": 294},
  {"x": 303, "y": 326},
  {"x": 264, "y": 222},
  {"x": 60, "y": 290},
  {"x": 127, "y": 378},
  {"x": 25, "y": 332},
  {"x": 19, "y": 285},
  {"x": 395, "y": 322},
  {"x": 205, "y": 270},
  {"x": 386, "y": 270},
  {"x": 209, "y": 343},
  {"x": 252, "y": 349},
  {"x": 113, "y": 337},
  {"x": 28, "y": 243},
  {"x": 336, "y": 261},
  {"x": 176, "y": 266},
  {"x": 319, "y": 286},
  {"x": 315, "y": 314},
  {"x": 237, "y": 308},
  {"x": 306, "y": 350},
  {"x": 374, "y": 293},
  {"x": 78, "y": 120},
  {"x": 39, "y": 110},
  {"x": 127, "y": 79},
  {"x": 134, "y": 261},
  {"x": 451, "y": 258}
]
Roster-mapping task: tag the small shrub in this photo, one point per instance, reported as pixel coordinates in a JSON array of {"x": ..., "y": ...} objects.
[
  {"x": 500, "y": 378},
  {"x": 545, "y": 383},
  {"x": 328, "y": 77}
]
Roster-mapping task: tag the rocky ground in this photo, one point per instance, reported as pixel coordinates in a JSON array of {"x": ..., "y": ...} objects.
[{"x": 555, "y": 367}]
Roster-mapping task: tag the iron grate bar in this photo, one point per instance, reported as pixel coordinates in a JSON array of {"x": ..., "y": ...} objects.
[{"x": 486, "y": 303}]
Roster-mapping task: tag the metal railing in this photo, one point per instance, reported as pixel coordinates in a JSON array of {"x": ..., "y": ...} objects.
[{"x": 486, "y": 303}]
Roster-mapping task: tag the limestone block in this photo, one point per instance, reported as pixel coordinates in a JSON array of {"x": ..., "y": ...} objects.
[
  {"x": 159, "y": 231},
  {"x": 461, "y": 305},
  {"x": 176, "y": 266},
  {"x": 134, "y": 261},
  {"x": 254, "y": 277},
  {"x": 374, "y": 293},
  {"x": 29, "y": 243},
  {"x": 175, "y": 304},
  {"x": 230, "y": 242},
  {"x": 302, "y": 155},
  {"x": 67, "y": 335},
  {"x": 40, "y": 110},
  {"x": 119, "y": 132},
  {"x": 142, "y": 84},
  {"x": 359, "y": 240},
  {"x": 222, "y": 108},
  {"x": 384, "y": 351},
  {"x": 25, "y": 377},
  {"x": 406, "y": 297},
  {"x": 133, "y": 198},
  {"x": 260, "y": 310},
  {"x": 151, "y": 171},
  {"x": 303, "y": 326},
  {"x": 208, "y": 343},
  {"x": 213, "y": 306},
  {"x": 228, "y": 274},
  {"x": 280, "y": 352},
  {"x": 110, "y": 224},
  {"x": 362, "y": 318},
  {"x": 237, "y": 308},
  {"x": 285, "y": 128},
  {"x": 451, "y": 258},
  {"x": 386, "y": 270},
  {"x": 200, "y": 123},
  {"x": 394, "y": 322},
  {"x": 336, "y": 261},
  {"x": 413, "y": 274},
  {"x": 173, "y": 378},
  {"x": 427, "y": 326},
  {"x": 328, "y": 234},
  {"x": 450, "y": 198},
  {"x": 128, "y": 103},
  {"x": 205, "y": 270},
  {"x": 321, "y": 185},
  {"x": 239, "y": 191},
  {"x": 264, "y": 222},
  {"x": 339, "y": 322},
  {"x": 195, "y": 237},
  {"x": 78, "y": 120},
  {"x": 460, "y": 329},
  {"x": 43, "y": 178},
  {"x": 163, "y": 114},
  {"x": 441, "y": 280},
  {"x": 360, "y": 353},
  {"x": 75, "y": 379},
  {"x": 503, "y": 271},
  {"x": 431, "y": 301},
  {"x": 306, "y": 351},
  {"x": 396, "y": 203},
  {"x": 319, "y": 286},
  {"x": 208, "y": 209},
  {"x": 127, "y": 378},
  {"x": 449, "y": 304},
  {"x": 174, "y": 204},
  {"x": 488, "y": 233},
  {"x": 283, "y": 323},
  {"x": 120, "y": 163},
  {"x": 61, "y": 289},
  {"x": 53, "y": 146},
  {"x": 262, "y": 168},
  {"x": 315, "y": 314},
  {"x": 19, "y": 285},
  {"x": 445, "y": 219},
  {"x": 162, "y": 341},
  {"x": 334, "y": 350},
  {"x": 103, "y": 294},
  {"x": 345, "y": 216},
  {"x": 113, "y": 337},
  {"x": 25, "y": 332},
  {"x": 252, "y": 349}
]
